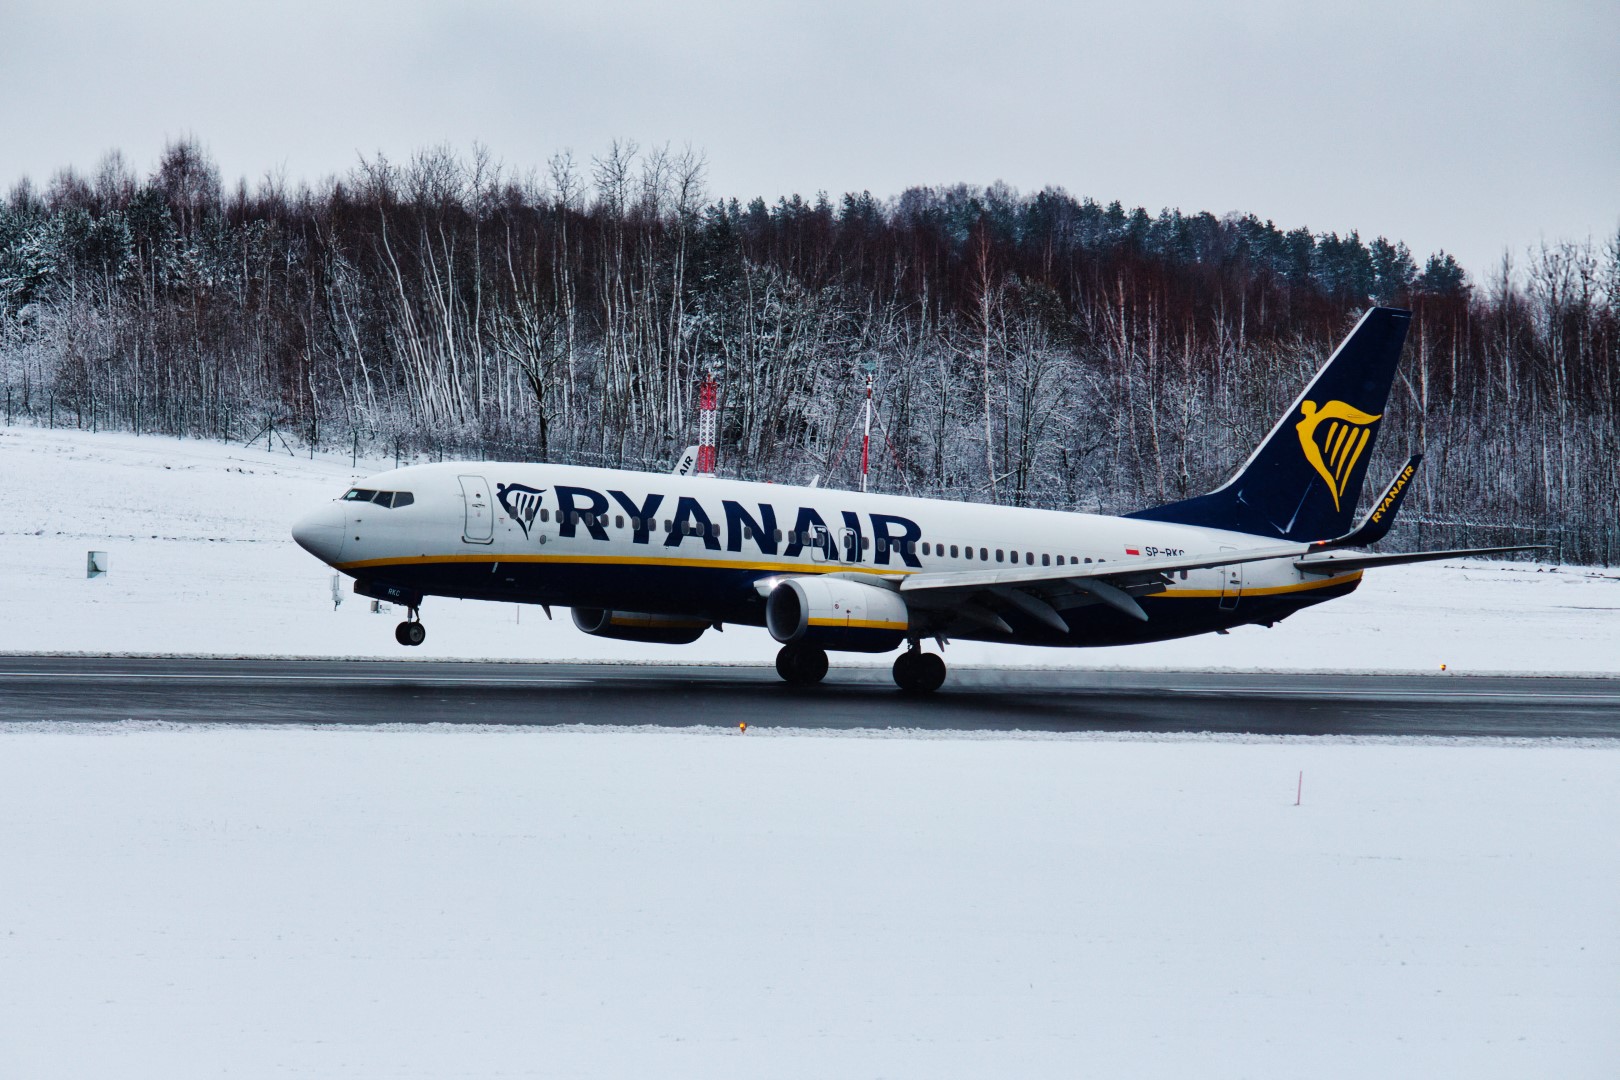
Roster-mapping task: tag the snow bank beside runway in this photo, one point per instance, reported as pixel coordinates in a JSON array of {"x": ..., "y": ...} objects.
[
  {"x": 201, "y": 563},
  {"x": 446, "y": 903}
]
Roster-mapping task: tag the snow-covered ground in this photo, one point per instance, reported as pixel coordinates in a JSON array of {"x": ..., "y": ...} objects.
[
  {"x": 555, "y": 903},
  {"x": 440, "y": 902},
  {"x": 201, "y": 562}
]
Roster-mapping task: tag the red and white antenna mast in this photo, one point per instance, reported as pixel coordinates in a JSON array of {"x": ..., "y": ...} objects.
[
  {"x": 866, "y": 433},
  {"x": 706, "y": 427}
]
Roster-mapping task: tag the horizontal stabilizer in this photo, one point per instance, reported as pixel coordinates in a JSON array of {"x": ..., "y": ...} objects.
[{"x": 1339, "y": 564}]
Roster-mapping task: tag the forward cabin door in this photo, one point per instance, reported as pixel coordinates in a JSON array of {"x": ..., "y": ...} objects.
[
  {"x": 1231, "y": 584},
  {"x": 480, "y": 522}
]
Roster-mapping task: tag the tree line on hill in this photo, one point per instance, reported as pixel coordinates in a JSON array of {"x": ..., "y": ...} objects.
[{"x": 1032, "y": 349}]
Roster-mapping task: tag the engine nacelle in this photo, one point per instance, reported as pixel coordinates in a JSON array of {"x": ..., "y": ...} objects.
[
  {"x": 836, "y": 613},
  {"x": 640, "y": 626}
]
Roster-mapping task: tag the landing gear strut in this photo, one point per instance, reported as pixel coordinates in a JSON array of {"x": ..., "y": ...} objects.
[
  {"x": 801, "y": 664},
  {"x": 411, "y": 631},
  {"x": 917, "y": 672}
]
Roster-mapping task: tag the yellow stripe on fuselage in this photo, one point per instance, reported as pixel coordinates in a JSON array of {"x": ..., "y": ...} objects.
[
  {"x": 799, "y": 568},
  {"x": 1263, "y": 590},
  {"x": 627, "y": 560}
]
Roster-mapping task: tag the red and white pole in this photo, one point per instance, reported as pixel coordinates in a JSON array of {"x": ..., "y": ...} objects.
[
  {"x": 706, "y": 428},
  {"x": 866, "y": 434}
]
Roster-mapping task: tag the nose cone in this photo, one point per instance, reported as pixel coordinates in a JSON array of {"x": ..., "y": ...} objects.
[{"x": 321, "y": 533}]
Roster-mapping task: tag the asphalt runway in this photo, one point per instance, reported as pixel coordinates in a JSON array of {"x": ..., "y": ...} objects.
[{"x": 215, "y": 691}]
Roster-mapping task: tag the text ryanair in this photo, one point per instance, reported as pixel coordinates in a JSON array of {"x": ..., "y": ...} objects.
[
  {"x": 890, "y": 538},
  {"x": 1394, "y": 494}
]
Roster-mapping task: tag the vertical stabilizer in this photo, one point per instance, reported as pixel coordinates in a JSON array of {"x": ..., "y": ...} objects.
[{"x": 1303, "y": 482}]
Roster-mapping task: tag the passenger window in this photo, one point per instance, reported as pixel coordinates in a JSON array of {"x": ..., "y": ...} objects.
[
  {"x": 1046, "y": 560},
  {"x": 866, "y": 542},
  {"x": 968, "y": 552},
  {"x": 1060, "y": 560},
  {"x": 984, "y": 554},
  {"x": 618, "y": 521},
  {"x": 714, "y": 530},
  {"x": 953, "y": 551},
  {"x": 911, "y": 547},
  {"x": 1088, "y": 558},
  {"x": 545, "y": 515},
  {"x": 999, "y": 557},
  {"x": 925, "y": 547},
  {"x": 1029, "y": 558}
]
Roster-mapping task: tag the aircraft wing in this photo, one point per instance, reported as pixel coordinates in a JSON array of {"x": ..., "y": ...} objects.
[
  {"x": 1044, "y": 591},
  {"x": 1323, "y": 563}
]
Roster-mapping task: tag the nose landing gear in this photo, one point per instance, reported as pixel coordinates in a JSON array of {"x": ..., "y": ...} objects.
[
  {"x": 411, "y": 631},
  {"x": 917, "y": 672}
]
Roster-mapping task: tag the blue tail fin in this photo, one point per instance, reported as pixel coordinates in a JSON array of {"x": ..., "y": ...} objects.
[{"x": 1303, "y": 482}]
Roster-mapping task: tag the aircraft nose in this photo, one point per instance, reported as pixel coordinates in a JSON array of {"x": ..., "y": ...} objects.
[{"x": 321, "y": 532}]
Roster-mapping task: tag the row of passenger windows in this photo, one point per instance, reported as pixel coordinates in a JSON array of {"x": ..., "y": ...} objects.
[
  {"x": 956, "y": 551},
  {"x": 1002, "y": 555},
  {"x": 392, "y": 499}
]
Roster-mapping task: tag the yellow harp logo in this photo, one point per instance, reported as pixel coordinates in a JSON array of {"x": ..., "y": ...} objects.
[{"x": 1334, "y": 438}]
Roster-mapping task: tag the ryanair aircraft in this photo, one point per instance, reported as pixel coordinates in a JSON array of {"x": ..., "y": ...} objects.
[{"x": 663, "y": 558}]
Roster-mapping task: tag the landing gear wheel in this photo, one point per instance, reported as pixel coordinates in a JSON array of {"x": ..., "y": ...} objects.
[
  {"x": 800, "y": 664},
  {"x": 410, "y": 633},
  {"x": 917, "y": 672}
]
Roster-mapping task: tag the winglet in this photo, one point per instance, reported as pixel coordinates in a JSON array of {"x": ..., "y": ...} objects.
[
  {"x": 1376, "y": 525},
  {"x": 686, "y": 464}
]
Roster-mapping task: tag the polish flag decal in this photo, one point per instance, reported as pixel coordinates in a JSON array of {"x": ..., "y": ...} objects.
[{"x": 1133, "y": 551}]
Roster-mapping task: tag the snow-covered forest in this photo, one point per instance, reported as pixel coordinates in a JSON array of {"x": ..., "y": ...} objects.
[{"x": 1037, "y": 349}]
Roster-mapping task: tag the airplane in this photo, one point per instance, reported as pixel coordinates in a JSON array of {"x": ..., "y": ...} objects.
[{"x": 663, "y": 558}]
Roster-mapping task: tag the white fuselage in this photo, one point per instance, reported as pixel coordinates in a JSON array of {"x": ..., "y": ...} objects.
[{"x": 702, "y": 546}]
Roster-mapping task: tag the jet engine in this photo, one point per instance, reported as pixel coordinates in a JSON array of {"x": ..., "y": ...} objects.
[
  {"x": 640, "y": 626},
  {"x": 836, "y": 613}
]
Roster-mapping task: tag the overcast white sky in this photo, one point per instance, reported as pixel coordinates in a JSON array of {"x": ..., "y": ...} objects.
[{"x": 1474, "y": 127}]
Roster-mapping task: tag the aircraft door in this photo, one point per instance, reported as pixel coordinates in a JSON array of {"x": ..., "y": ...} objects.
[
  {"x": 849, "y": 545},
  {"x": 480, "y": 521},
  {"x": 821, "y": 544},
  {"x": 1231, "y": 584}
]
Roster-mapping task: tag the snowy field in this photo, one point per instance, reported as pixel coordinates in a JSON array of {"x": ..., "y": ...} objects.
[
  {"x": 550, "y": 903},
  {"x": 462, "y": 902},
  {"x": 201, "y": 563}
]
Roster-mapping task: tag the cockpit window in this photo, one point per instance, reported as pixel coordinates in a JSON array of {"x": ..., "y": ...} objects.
[{"x": 381, "y": 498}]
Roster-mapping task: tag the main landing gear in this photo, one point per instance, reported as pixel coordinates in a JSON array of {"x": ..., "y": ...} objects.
[
  {"x": 801, "y": 664},
  {"x": 411, "y": 631},
  {"x": 917, "y": 672}
]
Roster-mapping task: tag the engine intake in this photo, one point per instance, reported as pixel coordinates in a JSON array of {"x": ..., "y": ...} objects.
[
  {"x": 640, "y": 626},
  {"x": 836, "y": 613}
]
